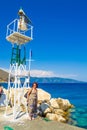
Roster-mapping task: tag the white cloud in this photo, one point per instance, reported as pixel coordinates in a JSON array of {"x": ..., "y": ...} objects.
[{"x": 44, "y": 73}]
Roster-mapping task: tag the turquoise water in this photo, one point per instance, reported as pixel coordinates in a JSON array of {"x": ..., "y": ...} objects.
[
  {"x": 76, "y": 94},
  {"x": 79, "y": 117}
]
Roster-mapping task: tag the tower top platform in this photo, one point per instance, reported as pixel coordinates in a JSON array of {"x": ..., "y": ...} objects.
[
  {"x": 19, "y": 32},
  {"x": 19, "y": 38}
]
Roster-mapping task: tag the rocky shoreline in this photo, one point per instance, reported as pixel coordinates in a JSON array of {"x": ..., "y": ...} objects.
[
  {"x": 49, "y": 109},
  {"x": 56, "y": 109},
  {"x": 39, "y": 123}
]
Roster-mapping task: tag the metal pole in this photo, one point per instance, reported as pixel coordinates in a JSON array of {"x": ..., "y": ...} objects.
[
  {"x": 14, "y": 108},
  {"x": 29, "y": 65}
]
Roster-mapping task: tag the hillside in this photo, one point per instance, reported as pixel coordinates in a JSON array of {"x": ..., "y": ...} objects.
[
  {"x": 3, "y": 75},
  {"x": 53, "y": 80}
]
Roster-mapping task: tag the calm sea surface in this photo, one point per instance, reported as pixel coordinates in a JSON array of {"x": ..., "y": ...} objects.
[{"x": 76, "y": 93}]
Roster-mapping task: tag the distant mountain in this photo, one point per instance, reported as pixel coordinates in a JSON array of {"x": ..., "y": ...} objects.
[
  {"x": 4, "y": 77},
  {"x": 53, "y": 80}
]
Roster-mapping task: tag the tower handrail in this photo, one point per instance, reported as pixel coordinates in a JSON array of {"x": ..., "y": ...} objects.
[{"x": 13, "y": 27}]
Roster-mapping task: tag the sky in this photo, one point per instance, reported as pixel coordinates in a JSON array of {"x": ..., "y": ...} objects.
[{"x": 59, "y": 45}]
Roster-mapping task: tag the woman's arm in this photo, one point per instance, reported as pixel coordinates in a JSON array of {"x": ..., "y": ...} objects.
[{"x": 28, "y": 94}]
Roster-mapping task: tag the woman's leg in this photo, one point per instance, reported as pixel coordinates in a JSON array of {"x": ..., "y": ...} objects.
[
  {"x": 35, "y": 108},
  {"x": 30, "y": 109}
]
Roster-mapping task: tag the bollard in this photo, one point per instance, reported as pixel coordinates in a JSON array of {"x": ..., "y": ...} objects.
[{"x": 8, "y": 128}]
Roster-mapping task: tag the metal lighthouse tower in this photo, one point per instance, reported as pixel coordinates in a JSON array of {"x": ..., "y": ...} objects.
[{"x": 19, "y": 32}]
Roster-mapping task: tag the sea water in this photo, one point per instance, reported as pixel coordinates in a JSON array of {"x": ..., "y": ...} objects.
[{"x": 76, "y": 93}]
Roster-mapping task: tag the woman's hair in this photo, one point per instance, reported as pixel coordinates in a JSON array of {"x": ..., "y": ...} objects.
[
  {"x": 36, "y": 84},
  {"x": 32, "y": 87}
]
